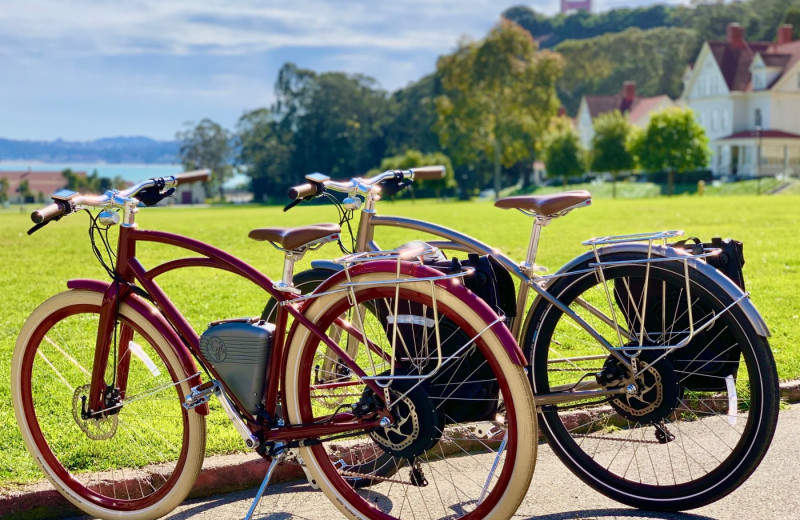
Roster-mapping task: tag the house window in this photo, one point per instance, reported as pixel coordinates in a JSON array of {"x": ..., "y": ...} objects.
[
  {"x": 757, "y": 117},
  {"x": 798, "y": 80},
  {"x": 714, "y": 119},
  {"x": 758, "y": 80},
  {"x": 725, "y": 120}
]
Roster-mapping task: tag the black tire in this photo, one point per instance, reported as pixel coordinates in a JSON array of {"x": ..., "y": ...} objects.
[
  {"x": 383, "y": 464},
  {"x": 711, "y": 453}
]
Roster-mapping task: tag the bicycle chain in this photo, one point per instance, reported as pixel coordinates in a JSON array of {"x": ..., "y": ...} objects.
[
  {"x": 602, "y": 438},
  {"x": 372, "y": 477}
]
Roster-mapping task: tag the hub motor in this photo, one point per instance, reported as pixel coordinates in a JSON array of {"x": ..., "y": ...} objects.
[
  {"x": 417, "y": 424},
  {"x": 657, "y": 392}
]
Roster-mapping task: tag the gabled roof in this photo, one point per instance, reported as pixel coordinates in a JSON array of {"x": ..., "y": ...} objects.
[
  {"x": 734, "y": 61},
  {"x": 635, "y": 108}
]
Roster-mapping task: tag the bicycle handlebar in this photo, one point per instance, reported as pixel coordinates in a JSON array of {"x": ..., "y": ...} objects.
[
  {"x": 362, "y": 185},
  {"x": 192, "y": 176},
  {"x": 429, "y": 173},
  {"x": 303, "y": 191},
  {"x": 50, "y": 211},
  {"x": 114, "y": 198}
]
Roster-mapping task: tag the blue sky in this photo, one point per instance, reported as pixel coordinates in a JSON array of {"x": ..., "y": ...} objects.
[{"x": 84, "y": 69}]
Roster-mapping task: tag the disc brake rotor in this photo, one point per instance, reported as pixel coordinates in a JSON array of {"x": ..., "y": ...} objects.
[
  {"x": 96, "y": 429},
  {"x": 657, "y": 393}
]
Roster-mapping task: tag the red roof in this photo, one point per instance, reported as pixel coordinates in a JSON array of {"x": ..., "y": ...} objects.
[
  {"x": 763, "y": 134},
  {"x": 45, "y": 183},
  {"x": 734, "y": 61},
  {"x": 636, "y": 108}
]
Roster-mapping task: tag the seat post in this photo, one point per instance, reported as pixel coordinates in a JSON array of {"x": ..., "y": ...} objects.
[
  {"x": 528, "y": 267},
  {"x": 533, "y": 245},
  {"x": 287, "y": 280}
]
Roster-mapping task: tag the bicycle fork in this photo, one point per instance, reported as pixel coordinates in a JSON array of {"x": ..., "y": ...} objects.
[{"x": 103, "y": 398}]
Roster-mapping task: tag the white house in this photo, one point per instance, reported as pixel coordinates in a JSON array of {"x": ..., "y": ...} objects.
[
  {"x": 747, "y": 96},
  {"x": 638, "y": 109}
]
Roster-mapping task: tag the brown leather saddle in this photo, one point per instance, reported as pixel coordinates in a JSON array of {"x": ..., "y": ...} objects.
[
  {"x": 551, "y": 206},
  {"x": 297, "y": 238}
]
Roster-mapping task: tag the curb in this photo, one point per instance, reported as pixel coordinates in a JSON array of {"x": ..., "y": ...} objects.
[{"x": 220, "y": 474}]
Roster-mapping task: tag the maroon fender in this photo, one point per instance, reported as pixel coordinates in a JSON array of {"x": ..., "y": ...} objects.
[
  {"x": 159, "y": 322},
  {"x": 452, "y": 285}
]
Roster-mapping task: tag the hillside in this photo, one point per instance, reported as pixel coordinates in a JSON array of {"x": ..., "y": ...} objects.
[
  {"x": 139, "y": 150},
  {"x": 650, "y": 45}
]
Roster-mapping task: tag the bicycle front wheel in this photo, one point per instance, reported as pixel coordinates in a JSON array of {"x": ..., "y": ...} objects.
[
  {"x": 138, "y": 461},
  {"x": 463, "y": 440},
  {"x": 697, "y": 420}
]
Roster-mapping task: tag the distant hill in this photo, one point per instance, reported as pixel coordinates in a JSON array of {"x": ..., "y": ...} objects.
[{"x": 139, "y": 150}]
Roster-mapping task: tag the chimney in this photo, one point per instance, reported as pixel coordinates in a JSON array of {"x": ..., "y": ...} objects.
[
  {"x": 629, "y": 90},
  {"x": 736, "y": 36},
  {"x": 785, "y": 34}
]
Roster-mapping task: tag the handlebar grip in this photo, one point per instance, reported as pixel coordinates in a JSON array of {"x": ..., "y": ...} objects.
[
  {"x": 193, "y": 176},
  {"x": 429, "y": 173},
  {"x": 50, "y": 211},
  {"x": 303, "y": 191}
]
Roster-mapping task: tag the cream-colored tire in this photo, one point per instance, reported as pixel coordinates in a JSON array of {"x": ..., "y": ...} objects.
[
  {"x": 454, "y": 464},
  {"x": 137, "y": 464}
]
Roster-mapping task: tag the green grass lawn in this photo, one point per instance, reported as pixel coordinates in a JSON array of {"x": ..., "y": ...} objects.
[{"x": 36, "y": 267}]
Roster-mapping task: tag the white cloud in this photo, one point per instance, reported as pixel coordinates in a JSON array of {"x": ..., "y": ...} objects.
[{"x": 87, "y": 27}]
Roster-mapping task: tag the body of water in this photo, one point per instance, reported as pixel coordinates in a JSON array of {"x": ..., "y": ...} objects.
[{"x": 129, "y": 172}]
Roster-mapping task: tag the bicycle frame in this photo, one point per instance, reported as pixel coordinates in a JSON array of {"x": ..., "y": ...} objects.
[
  {"x": 526, "y": 272},
  {"x": 131, "y": 270}
]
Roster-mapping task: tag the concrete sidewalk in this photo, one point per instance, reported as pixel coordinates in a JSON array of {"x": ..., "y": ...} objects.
[
  {"x": 229, "y": 474},
  {"x": 772, "y": 492}
]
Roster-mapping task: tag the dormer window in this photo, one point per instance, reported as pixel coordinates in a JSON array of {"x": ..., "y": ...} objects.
[{"x": 758, "y": 80}]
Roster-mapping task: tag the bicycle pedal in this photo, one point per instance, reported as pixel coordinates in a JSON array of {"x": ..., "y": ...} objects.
[{"x": 201, "y": 394}]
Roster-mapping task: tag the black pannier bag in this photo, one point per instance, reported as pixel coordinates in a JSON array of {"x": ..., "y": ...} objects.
[
  {"x": 466, "y": 386},
  {"x": 708, "y": 359}
]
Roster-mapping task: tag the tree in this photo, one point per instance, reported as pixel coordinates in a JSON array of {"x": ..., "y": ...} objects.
[
  {"x": 674, "y": 142},
  {"x": 3, "y": 190},
  {"x": 415, "y": 158},
  {"x": 655, "y": 59},
  {"x": 498, "y": 94},
  {"x": 413, "y": 124},
  {"x": 265, "y": 150},
  {"x": 206, "y": 145},
  {"x": 563, "y": 155},
  {"x": 611, "y": 145},
  {"x": 24, "y": 189},
  {"x": 792, "y": 17}
]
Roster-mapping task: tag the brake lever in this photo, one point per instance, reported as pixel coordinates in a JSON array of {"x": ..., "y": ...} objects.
[
  {"x": 152, "y": 196},
  {"x": 292, "y": 204},
  {"x": 40, "y": 225}
]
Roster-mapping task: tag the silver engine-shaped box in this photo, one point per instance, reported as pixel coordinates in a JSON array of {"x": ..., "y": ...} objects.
[{"x": 240, "y": 350}]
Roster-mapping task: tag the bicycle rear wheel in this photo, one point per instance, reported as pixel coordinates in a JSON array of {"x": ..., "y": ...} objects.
[
  {"x": 697, "y": 422},
  {"x": 456, "y": 453},
  {"x": 137, "y": 463}
]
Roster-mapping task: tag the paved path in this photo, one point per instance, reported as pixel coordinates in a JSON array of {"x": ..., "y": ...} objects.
[{"x": 772, "y": 492}]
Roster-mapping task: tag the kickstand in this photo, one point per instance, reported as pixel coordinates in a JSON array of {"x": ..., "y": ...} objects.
[{"x": 272, "y": 465}]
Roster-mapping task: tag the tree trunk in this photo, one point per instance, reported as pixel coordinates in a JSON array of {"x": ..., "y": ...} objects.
[
  {"x": 497, "y": 171},
  {"x": 564, "y": 178},
  {"x": 613, "y": 185},
  {"x": 670, "y": 182}
]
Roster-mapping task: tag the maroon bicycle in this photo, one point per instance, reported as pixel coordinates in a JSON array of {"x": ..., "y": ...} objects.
[{"x": 111, "y": 384}]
